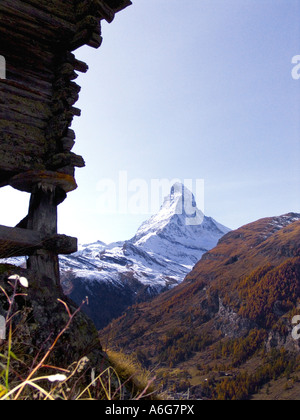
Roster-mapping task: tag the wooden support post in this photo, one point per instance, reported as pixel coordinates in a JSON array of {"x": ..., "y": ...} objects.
[{"x": 42, "y": 218}]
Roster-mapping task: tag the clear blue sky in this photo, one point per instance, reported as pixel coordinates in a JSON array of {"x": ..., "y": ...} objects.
[{"x": 193, "y": 89}]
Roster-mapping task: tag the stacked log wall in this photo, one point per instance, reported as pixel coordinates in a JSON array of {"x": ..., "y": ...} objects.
[{"x": 37, "y": 107}]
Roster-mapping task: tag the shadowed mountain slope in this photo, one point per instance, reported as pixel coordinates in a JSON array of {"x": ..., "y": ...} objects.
[{"x": 244, "y": 291}]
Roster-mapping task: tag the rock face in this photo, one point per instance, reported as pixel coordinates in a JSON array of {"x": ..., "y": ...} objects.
[{"x": 163, "y": 251}]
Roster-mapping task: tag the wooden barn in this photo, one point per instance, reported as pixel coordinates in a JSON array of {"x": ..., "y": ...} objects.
[{"x": 37, "y": 98}]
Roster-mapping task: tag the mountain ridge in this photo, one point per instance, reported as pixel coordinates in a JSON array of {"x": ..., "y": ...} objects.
[
  {"x": 231, "y": 312},
  {"x": 157, "y": 258}
]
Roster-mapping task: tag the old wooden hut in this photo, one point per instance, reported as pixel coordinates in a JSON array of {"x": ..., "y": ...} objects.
[{"x": 37, "y": 97}]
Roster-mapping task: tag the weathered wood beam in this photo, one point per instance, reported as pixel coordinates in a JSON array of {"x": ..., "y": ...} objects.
[
  {"x": 20, "y": 90},
  {"x": 104, "y": 11},
  {"x": 17, "y": 116},
  {"x": 65, "y": 159},
  {"x": 17, "y": 242},
  {"x": 28, "y": 180},
  {"x": 35, "y": 16},
  {"x": 120, "y": 5},
  {"x": 62, "y": 9},
  {"x": 42, "y": 217},
  {"x": 81, "y": 66},
  {"x": 36, "y": 111}
]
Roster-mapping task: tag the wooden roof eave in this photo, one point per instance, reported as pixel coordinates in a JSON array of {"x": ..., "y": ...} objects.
[{"x": 89, "y": 15}]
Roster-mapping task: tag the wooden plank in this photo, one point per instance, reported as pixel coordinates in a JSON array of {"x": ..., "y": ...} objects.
[
  {"x": 25, "y": 107},
  {"x": 81, "y": 66},
  {"x": 118, "y": 5},
  {"x": 33, "y": 82},
  {"x": 20, "y": 90},
  {"x": 27, "y": 181},
  {"x": 38, "y": 17},
  {"x": 22, "y": 237},
  {"x": 65, "y": 159},
  {"x": 42, "y": 217},
  {"x": 62, "y": 8},
  {"x": 28, "y": 30},
  {"x": 104, "y": 11},
  {"x": 8, "y": 114},
  {"x": 61, "y": 244},
  {"x": 17, "y": 242}
]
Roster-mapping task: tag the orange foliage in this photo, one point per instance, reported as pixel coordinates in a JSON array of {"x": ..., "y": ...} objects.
[{"x": 266, "y": 286}]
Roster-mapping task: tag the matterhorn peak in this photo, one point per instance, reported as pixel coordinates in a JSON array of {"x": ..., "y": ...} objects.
[
  {"x": 163, "y": 251},
  {"x": 179, "y": 206},
  {"x": 179, "y": 191},
  {"x": 183, "y": 203},
  {"x": 179, "y": 226}
]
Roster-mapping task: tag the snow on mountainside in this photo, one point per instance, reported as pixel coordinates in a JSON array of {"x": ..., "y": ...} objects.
[
  {"x": 169, "y": 244},
  {"x": 179, "y": 231},
  {"x": 163, "y": 251}
]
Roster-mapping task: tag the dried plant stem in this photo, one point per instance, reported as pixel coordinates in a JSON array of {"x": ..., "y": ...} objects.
[
  {"x": 8, "y": 358},
  {"x": 33, "y": 384},
  {"x": 41, "y": 363}
]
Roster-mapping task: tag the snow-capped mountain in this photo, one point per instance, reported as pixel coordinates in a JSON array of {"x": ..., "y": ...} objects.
[
  {"x": 179, "y": 231},
  {"x": 163, "y": 251}
]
